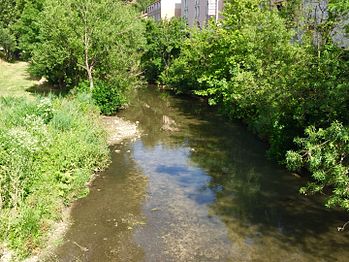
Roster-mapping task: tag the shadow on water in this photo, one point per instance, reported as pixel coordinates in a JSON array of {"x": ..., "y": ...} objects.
[
  {"x": 266, "y": 218},
  {"x": 259, "y": 200},
  {"x": 196, "y": 188}
]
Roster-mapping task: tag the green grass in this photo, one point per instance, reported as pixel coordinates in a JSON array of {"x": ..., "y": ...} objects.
[
  {"x": 14, "y": 79},
  {"x": 49, "y": 149}
]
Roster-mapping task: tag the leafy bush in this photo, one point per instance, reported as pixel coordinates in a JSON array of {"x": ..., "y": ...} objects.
[
  {"x": 325, "y": 152},
  {"x": 164, "y": 41},
  {"x": 279, "y": 72},
  {"x": 48, "y": 150},
  {"x": 251, "y": 66},
  {"x": 107, "y": 97}
]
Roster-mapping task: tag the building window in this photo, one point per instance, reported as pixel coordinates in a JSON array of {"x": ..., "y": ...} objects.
[{"x": 197, "y": 9}]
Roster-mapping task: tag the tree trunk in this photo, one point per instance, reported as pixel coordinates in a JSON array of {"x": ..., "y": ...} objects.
[{"x": 89, "y": 67}]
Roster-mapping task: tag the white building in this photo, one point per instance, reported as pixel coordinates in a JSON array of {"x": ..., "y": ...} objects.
[
  {"x": 198, "y": 12},
  {"x": 164, "y": 9}
]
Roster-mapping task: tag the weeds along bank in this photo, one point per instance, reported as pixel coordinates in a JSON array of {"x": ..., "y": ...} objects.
[{"x": 49, "y": 148}]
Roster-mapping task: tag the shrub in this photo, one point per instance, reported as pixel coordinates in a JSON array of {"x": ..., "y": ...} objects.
[
  {"x": 164, "y": 41},
  {"x": 108, "y": 98},
  {"x": 325, "y": 152},
  {"x": 48, "y": 150}
]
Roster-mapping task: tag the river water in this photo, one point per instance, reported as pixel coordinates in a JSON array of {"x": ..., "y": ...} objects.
[{"x": 196, "y": 188}]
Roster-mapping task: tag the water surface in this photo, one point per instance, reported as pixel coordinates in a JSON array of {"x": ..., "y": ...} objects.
[{"x": 196, "y": 188}]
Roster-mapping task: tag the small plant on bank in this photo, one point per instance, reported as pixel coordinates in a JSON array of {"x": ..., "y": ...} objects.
[{"x": 108, "y": 98}]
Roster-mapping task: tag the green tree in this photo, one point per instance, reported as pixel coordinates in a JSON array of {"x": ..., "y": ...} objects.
[
  {"x": 8, "y": 43},
  {"x": 19, "y": 18},
  {"x": 280, "y": 72},
  {"x": 164, "y": 41},
  {"x": 86, "y": 40},
  {"x": 8, "y": 12},
  {"x": 27, "y": 27},
  {"x": 249, "y": 66}
]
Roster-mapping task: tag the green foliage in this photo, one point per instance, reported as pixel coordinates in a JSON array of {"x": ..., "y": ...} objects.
[
  {"x": 341, "y": 7},
  {"x": 325, "y": 152},
  {"x": 279, "y": 72},
  {"x": 83, "y": 40},
  {"x": 108, "y": 97},
  {"x": 141, "y": 5},
  {"x": 250, "y": 66},
  {"x": 164, "y": 41},
  {"x": 27, "y": 27},
  {"x": 241, "y": 65},
  {"x": 195, "y": 58},
  {"x": 9, "y": 12},
  {"x": 7, "y": 42},
  {"x": 48, "y": 150}
]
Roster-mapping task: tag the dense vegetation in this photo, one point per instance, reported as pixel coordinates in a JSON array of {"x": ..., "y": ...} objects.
[
  {"x": 74, "y": 42},
  {"x": 49, "y": 148},
  {"x": 278, "y": 71},
  {"x": 281, "y": 73},
  {"x": 163, "y": 44}
]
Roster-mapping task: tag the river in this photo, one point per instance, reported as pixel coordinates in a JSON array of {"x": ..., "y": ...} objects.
[{"x": 196, "y": 188}]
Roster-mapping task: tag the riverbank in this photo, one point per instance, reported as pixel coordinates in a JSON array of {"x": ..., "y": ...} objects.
[
  {"x": 117, "y": 130},
  {"x": 50, "y": 150}
]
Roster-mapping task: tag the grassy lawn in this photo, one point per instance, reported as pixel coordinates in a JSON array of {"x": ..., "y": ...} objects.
[{"x": 14, "y": 79}]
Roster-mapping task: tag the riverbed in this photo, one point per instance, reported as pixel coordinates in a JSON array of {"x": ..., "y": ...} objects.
[{"x": 194, "y": 187}]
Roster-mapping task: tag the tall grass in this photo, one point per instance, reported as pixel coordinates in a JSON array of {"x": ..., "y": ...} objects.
[{"x": 49, "y": 148}]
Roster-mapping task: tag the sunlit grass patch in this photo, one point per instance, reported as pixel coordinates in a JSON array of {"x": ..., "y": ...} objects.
[{"x": 14, "y": 79}]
